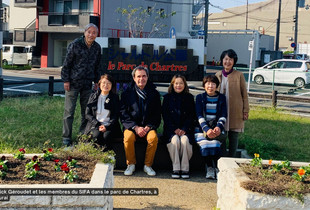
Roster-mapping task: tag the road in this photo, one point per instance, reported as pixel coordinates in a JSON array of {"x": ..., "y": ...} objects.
[
  {"x": 43, "y": 74},
  {"x": 29, "y": 75}
]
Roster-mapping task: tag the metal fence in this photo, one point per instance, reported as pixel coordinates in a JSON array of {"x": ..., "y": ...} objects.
[{"x": 274, "y": 96}]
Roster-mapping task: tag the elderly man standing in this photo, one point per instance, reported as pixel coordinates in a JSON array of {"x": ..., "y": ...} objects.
[
  {"x": 80, "y": 69},
  {"x": 140, "y": 116}
]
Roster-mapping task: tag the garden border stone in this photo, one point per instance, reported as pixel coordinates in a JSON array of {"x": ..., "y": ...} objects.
[
  {"x": 232, "y": 196},
  {"x": 102, "y": 178}
]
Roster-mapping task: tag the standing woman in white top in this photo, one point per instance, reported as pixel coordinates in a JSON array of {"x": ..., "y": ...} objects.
[
  {"x": 233, "y": 86},
  {"x": 102, "y": 112}
]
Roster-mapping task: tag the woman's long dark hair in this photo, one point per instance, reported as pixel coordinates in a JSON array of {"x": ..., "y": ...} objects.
[{"x": 171, "y": 89}]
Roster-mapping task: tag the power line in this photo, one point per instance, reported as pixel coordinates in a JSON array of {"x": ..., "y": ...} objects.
[
  {"x": 250, "y": 17},
  {"x": 229, "y": 11},
  {"x": 243, "y": 13},
  {"x": 218, "y": 7}
]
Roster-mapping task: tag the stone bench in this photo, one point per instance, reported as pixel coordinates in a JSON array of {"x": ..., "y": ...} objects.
[{"x": 162, "y": 159}]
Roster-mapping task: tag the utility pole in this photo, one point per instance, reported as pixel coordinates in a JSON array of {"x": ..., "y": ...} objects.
[
  {"x": 247, "y": 15},
  {"x": 206, "y": 33},
  {"x": 296, "y": 27},
  {"x": 278, "y": 27}
]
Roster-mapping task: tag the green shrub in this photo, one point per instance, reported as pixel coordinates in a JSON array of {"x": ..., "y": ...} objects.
[{"x": 15, "y": 67}]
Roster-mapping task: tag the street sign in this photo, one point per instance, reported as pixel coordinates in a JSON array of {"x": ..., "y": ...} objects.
[
  {"x": 172, "y": 33},
  {"x": 251, "y": 45},
  {"x": 251, "y": 48},
  {"x": 293, "y": 44},
  {"x": 201, "y": 32}
]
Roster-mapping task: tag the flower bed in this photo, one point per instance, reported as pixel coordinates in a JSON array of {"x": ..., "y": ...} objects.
[
  {"x": 102, "y": 178},
  {"x": 233, "y": 196},
  {"x": 41, "y": 180},
  {"x": 45, "y": 172}
]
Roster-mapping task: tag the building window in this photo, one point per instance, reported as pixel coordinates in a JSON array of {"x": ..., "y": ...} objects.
[
  {"x": 59, "y": 6},
  {"x": 86, "y": 5},
  {"x": 67, "y": 6},
  {"x": 63, "y": 6}
]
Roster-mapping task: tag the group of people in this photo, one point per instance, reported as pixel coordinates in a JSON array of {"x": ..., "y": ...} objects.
[{"x": 215, "y": 114}]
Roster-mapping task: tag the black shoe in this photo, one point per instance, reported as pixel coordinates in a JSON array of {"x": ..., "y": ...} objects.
[
  {"x": 175, "y": 175},
  {"x": 184, "y": 174},
  {"x": 66, "y": 142}
]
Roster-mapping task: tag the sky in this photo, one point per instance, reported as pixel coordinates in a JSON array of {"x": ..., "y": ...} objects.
[
  {"x": 229, "y": 3},
  {"x": 6, "y": 1}
]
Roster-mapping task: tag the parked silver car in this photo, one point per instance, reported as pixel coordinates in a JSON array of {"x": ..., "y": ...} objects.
[{"x": 284, "y": 71}]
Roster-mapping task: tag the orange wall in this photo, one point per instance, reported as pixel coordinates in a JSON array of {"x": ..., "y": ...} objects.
[{"x": 44, "y": 51}]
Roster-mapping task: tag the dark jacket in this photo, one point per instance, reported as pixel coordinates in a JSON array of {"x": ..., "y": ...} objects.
[
  {"x": 130, "y": 111},
  {"x": 178, "y": 111},
  {"x": 221, "y": 109},
  {"x": 81, "y": 66},
  {"x": 111, "y": 104}
]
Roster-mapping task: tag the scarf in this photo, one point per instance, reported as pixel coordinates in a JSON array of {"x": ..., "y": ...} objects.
[
  {"x": 226, "y": 73},
  {"x": 141, "y": 93},
  {"x": 142, "y": 97}
]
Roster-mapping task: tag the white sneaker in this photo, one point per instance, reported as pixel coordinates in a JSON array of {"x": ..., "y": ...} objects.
[
  {"x": 130, "y": 169},
  {"x": 149, "y": 170},
  {"x": 210, "y": 173}
]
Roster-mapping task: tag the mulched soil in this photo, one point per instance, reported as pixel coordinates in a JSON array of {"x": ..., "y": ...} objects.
[
  {"x": 274, "y": 183},
  {"x": 47, "y": 173}
]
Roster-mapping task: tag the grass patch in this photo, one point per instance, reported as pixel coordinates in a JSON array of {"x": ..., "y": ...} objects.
[
  {"x": 15, "y": 67},
  {"x": 277, "y": 136},
  {"x": 29, "y": 122}
]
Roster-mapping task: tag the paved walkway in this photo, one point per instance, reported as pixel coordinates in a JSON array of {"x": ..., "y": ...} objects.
[{"x": 194, "y": 193}]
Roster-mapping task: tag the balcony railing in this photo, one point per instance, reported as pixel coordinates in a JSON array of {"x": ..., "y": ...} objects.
[
  {"x": 57, "y": 22},
  {"x": 21, "y": 35},
  {"x": 25, "y": 1},
  {"x": 28, "y": 3},
  {"x": 117, "y": 33},
  {"x": 63, "y": 19}
]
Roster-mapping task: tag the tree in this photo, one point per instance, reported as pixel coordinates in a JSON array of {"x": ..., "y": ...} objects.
[{"x": 136, "y": 19}]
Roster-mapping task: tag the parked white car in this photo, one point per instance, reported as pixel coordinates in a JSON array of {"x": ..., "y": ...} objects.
[
  {"x": 15, "y": 55},
  {"x": 284, "y": 71}
]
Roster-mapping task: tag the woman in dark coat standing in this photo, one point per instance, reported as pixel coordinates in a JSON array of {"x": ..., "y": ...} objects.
[
  {"x": 102, "y": 112},
  {"x": 178, "y": 112}
]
